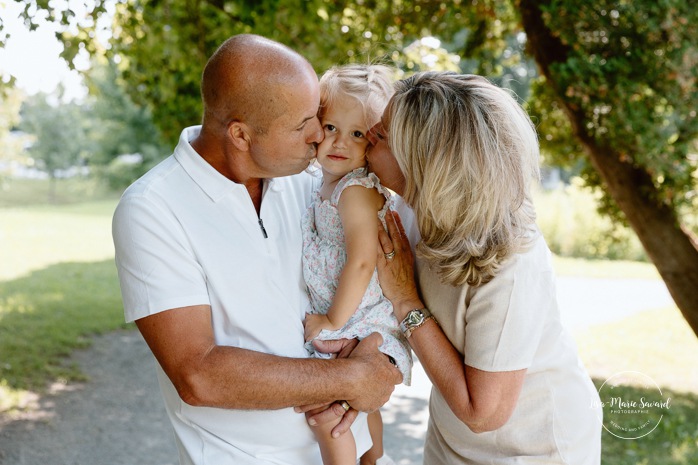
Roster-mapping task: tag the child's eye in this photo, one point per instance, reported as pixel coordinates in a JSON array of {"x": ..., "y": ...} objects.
[
  {"x": 357, "y": 134},
  {"x": 330, "y": 127}
]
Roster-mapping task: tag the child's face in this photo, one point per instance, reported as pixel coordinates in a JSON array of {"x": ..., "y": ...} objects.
[{"x": 344, "y": 147}]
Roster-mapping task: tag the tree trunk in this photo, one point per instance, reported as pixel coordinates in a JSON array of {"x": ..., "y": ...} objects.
[{"x": 672, "y": 249}]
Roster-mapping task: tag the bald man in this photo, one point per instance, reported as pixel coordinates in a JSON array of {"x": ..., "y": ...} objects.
[{"x": 208, "y": 249}]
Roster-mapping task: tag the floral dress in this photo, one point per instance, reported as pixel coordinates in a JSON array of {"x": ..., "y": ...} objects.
[{"x": 324, "y": 256}]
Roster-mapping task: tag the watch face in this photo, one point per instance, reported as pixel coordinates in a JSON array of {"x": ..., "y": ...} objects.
[{"x": 414, "y": 317}]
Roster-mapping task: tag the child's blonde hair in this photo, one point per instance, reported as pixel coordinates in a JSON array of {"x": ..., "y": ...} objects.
[{"x": 371, "y": 85}]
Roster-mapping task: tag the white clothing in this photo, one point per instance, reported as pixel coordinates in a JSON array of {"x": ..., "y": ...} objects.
[
  {"x": 186, "y": 235},
  {"x": 409, "y": 222},
  {"x": 513, "y": 323}
]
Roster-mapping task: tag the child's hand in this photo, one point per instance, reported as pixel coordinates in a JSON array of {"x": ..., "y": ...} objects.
[{"x": 314, "y": 323}]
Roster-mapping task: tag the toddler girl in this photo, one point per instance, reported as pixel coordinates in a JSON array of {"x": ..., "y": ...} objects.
[{"x": 340, "y": 238}]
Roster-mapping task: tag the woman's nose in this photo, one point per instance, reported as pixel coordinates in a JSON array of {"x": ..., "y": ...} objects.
[{"x": 371, "y": 135}]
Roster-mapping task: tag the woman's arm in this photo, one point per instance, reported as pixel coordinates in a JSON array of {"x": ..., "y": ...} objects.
[
  {"x": 358, "y": 209},
  {"x": 482, "y": 400}
]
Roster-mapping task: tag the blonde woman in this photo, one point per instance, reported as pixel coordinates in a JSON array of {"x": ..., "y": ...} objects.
[{"x": 508, "y": 384}]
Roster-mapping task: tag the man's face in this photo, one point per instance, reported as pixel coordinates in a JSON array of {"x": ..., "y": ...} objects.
[{"x": 290, "y": 141}]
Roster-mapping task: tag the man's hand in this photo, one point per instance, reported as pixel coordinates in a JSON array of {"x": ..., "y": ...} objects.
[
  {"x": 327, "y": 413},
  {"x": 377, "y": 376},
  {"x": 340, "y": 348}
]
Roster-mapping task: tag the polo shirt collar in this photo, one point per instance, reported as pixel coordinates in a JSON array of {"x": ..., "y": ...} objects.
[{"x": 209, "y": 180}]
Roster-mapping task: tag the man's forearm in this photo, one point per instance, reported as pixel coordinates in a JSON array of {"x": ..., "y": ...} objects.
[
  {"x": 230, "y": 377},
  {"x": 206, "y": 374}
]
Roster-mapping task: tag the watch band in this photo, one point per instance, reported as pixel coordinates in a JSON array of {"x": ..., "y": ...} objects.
[{"x": 414, "y": 319}]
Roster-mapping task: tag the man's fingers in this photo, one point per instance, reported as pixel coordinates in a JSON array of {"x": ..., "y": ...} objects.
[
  {"x": 341, "y": 347},
  {"x": 375, "y": 340},
  {"x": 345, "y": 424},
  {"x": 310, "y": 408},
  {"x": 331, "y": 414}
]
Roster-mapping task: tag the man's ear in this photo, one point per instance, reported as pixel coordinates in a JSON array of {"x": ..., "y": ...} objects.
[{"x": 240, "y": 135}]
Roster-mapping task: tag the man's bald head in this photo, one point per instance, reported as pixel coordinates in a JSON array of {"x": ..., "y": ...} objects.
[{"x": 244, "y": 81}]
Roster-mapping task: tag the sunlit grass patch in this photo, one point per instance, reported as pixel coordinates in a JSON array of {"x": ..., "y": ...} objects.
[
  {"x": 47, "y": 314},
  {"x": 604, "y": 269},
  {"x": 658, "y": 343},
  {"x": 35, "y": 237}
]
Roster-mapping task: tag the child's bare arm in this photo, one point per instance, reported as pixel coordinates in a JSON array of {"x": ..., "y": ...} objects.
[{"x": 358, "y": 209}]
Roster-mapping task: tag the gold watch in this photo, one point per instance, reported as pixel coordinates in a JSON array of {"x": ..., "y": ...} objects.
[{"x": 414, "y": 319}]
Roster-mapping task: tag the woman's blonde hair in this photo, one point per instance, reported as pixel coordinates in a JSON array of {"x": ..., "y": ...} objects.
[
  {"x": 469, "y": 153},
  {"x": 371, "y": 85}
]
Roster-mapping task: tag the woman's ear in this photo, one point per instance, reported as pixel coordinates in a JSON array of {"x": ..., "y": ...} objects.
[{"x": 240, "y": 135}]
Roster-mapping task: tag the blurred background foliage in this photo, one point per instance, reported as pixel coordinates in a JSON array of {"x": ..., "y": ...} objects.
[{"x": 631, "y": 67}]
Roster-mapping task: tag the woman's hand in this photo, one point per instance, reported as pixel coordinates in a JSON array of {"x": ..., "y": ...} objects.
[{"x": 396, "y": 270}]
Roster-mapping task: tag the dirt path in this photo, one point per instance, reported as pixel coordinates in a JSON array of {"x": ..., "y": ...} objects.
[{"x": 118, "y": 416}]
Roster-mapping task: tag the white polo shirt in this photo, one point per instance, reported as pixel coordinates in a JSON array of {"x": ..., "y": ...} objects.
[{"x": 186, "y": 235}]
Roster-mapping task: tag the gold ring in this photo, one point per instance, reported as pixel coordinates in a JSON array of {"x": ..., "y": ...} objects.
[
  {"x": 345, "y": 405},
  {"x": 389, "y": 256}
]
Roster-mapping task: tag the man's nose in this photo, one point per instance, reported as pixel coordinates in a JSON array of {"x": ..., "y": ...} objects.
[{"x": 317, "y": 134}]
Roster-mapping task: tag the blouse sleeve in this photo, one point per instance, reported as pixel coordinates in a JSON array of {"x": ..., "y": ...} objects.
[{"x": 505, "y": 318}]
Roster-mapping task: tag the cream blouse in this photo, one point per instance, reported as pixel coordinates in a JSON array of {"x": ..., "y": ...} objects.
[{"x": 513, "y": 323}]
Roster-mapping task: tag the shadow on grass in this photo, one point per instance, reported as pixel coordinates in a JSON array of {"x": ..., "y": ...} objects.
[
  {"x": 673, "y": 442},
  {"x": 47, "y": 314}
]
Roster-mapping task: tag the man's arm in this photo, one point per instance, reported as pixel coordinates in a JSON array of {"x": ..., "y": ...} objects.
[{"x": 206, "y": 374}]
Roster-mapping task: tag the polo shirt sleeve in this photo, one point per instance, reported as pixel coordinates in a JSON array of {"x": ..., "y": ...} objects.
[
  {"x": 505, "y": 318},
  {"x": 157, "y": 268}
]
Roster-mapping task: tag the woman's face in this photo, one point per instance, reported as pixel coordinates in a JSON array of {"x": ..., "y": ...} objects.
[{"x": 381, "y": 159}]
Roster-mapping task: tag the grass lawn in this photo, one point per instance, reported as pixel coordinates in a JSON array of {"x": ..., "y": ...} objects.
[
  {"x": 604, "y": 269},
  {"x": 58, "y": 286},
  {"x": 657, "y": 343},
  {"x": 660, "y": 345},
  {"x": 38, "y": 236}
]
